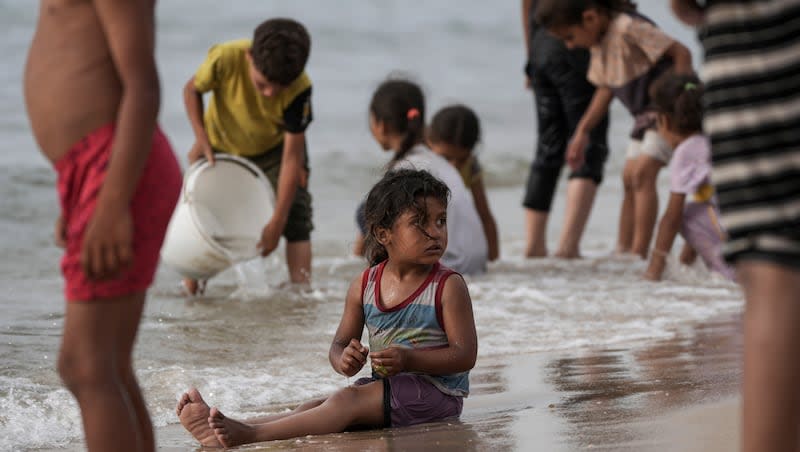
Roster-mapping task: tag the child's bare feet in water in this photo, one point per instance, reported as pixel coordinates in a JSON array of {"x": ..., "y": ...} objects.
[
  {"x": 194, "y": 412},
  {"x": 230, "y": 432}
]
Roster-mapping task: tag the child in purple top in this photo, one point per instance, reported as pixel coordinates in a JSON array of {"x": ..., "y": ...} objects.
[{"x": 692, "y": 207}]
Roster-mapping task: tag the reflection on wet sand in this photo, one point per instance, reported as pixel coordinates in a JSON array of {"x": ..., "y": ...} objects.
[
  {"x": 621, "y": 399},
  {"x": 605, "y": 391}
]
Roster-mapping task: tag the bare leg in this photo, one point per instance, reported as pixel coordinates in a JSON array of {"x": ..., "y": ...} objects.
[
  {"x": 354, "y": 405},
  {"x": 646, "y": 203},
  {"x": 194, "y": 413},
  {"x": 97, "y": 340},
  {"x": 536, "y": 233},
  {"x": 298, "y": 259},
  {"x": 625, "y": 233},
  {"x": 127, "y": 341},
  {"x": 580, "y": 197},
  {"x": 771, "y": 395}
]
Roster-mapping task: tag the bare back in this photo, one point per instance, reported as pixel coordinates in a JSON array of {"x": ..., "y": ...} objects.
[{"x": 71, "y": 84}]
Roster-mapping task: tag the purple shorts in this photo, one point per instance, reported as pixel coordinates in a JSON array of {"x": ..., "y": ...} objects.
[
  {"x": 702, "y": 231},
  {"x": 410, "y": 399}
]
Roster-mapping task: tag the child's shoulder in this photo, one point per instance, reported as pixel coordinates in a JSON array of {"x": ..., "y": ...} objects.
[{"x": 233, "y": 48}]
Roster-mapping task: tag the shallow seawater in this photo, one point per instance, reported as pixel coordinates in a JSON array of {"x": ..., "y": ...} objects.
[{"x": 251, "y": 345}]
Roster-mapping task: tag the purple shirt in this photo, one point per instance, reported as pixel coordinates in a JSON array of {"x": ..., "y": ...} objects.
[{"x": 690, "y": 171}]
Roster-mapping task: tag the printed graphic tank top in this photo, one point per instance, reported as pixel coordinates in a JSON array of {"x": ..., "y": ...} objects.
[{"x": 415, "y": 323}]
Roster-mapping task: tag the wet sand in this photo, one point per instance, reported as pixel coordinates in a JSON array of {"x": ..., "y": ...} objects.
[{"x": 676, "y": 394}]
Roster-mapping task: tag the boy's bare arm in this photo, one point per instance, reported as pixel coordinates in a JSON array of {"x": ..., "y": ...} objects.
[
  {"x": 345, "y": 356},
  {"x": 129, "y": 30},
  {"x": 193, "y": 100},
  {"x": 288, "y": 181}
]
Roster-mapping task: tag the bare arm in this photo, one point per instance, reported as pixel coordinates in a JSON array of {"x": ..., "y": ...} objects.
[
  {"x": 288, "y": 181},
  {"x": 526, "y": 24},
  {"x": 193, "y": 100},
  {"x": 597, "y": 110},
  {"x": 681, "y": 56},
  {"x": 689, "y": 12},
  {"x": 489, "y": 225},
  {"x": 668, "y": 228},
  {"x": 458, "y": 356},
  {"x": 129, "y": 30},
  {"x": 347, "y": 355},
  {"x": 526, "y": 31}
]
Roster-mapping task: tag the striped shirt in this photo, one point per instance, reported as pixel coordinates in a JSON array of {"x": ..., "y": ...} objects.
[
  {"x": 752, "y": 101},
  {"x": 415, "y": 323}
]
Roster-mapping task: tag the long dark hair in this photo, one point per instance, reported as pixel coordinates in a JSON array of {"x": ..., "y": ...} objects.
[
  {"x": 397, "y": 192},
  {"x": 680, "y": 98},
  {"x": 456, "y": 125},
  {"x": 561, "y": 13},
  {"x": 400, "y": 104}
]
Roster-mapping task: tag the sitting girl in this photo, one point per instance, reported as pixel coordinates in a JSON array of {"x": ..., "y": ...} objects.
[
  {"x": 453, "y": 134},
  {"x": 420, "y": 371},
  {"x": 397, "y": 122},
  {"x": 692, "y": 207}
]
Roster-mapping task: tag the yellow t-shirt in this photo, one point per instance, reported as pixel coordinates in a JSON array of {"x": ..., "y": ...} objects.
[{"x": 240, "y": 120}]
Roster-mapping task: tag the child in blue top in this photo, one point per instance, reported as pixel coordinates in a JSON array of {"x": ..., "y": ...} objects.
[
  {"x": 692, "y": 208},
  {"x": 628, "y": 52},
  {"x": 422, "y": 339}
]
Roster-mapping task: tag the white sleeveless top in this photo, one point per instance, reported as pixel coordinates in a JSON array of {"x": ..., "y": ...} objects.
[{"x": 467, "y": 251}]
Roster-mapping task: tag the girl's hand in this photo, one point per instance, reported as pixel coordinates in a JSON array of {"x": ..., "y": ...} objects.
[
  {"x": 389, "y": 361},
  {"x": 575, "y": 150},
  {"x": 353, "y": 358}
]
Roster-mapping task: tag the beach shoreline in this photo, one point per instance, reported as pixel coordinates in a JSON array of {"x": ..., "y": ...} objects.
[{"x": 676, "y": 394}]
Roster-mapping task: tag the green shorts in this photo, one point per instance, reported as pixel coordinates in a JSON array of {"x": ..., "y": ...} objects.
[{"x": 299, "y": 225}]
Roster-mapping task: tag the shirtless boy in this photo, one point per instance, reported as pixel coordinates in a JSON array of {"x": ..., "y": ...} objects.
[{"x": 92, "y": 95}]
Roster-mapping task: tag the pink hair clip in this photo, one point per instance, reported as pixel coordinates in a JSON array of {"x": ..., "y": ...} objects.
[{"x": 412, "y": 113}]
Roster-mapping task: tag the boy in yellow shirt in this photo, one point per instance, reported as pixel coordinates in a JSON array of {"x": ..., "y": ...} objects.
[{"x": 260, "y": 109}]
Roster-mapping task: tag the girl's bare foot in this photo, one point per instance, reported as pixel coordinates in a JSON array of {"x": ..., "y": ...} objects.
[
  {"x": 194, "y": 412},
  {"x": 230, "y": 432}
]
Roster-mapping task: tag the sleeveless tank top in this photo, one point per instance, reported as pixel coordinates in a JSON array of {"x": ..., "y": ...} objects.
[{"x": 415, "y": 323}]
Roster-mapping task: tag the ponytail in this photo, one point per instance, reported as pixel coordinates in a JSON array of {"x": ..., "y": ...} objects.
[
  {"x": 400, "y": 104},
  {"x": 415, "y": 132}
]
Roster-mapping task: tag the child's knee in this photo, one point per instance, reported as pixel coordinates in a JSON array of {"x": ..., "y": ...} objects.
[
  {"x": 79, "y": 371},
  {"x": 348, "y": 395},
  {"x": 645, "y": 173},
  {"x": 628, "y": 176}
]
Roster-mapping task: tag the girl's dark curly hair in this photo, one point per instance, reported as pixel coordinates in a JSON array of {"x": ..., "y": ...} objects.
[{"x": 397, "y": 192}]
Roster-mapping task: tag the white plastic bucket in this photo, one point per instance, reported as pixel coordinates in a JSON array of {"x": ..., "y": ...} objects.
[{"x": 219, "y": 217}]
